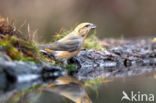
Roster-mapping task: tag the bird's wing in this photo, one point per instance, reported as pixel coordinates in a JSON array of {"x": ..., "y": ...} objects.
[
  {"x": 66, "y": 45},
  {"x": 72, "y": 91}
]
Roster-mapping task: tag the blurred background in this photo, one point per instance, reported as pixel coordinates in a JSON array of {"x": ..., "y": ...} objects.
[{"x": 114, "y": 18}]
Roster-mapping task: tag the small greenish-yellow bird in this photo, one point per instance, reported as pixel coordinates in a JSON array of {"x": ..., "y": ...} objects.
[{"x": 70, "y": 45}]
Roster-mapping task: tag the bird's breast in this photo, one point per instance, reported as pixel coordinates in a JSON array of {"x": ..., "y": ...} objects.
[{"x": 66, "y": 54}]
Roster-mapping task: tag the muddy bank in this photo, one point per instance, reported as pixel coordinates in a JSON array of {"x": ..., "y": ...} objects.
[
  {"x": 18, "y": 75},
  {"x": 128, "y": 60}
]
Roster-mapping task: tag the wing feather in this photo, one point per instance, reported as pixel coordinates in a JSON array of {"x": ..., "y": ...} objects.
[{"x": 66, "y": 45}]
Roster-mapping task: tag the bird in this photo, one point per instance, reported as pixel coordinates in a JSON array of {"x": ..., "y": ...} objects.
[
  {"x": 70, "y": 45},
  {"x": 70, "y": 88}
]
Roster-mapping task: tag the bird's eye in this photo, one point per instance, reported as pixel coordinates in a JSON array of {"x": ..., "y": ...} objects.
[{"x": 87, "y": 25}]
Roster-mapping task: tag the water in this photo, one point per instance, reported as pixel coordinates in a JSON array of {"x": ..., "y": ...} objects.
[{"x": 109, "y": 92}]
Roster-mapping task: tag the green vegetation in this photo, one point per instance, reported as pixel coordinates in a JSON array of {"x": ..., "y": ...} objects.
[
  {"x": 18, "y": 49},
  {"x": 17, "y": 46},
  {"x": 71, "y": 67},
  {"x": 23, "y": 48},
  {"x": 92, "y": 42}
]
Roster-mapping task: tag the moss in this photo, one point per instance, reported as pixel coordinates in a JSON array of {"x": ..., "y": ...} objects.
[
  {"x": 93, "y": 42},
  {"x": 14, "y": 44},
  {"x": 8, "y": 43},
  {"x": 71, "y": 68}
]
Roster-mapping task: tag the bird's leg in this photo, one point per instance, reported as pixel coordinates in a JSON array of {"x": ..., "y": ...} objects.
[{"x": 62, "y": 61}]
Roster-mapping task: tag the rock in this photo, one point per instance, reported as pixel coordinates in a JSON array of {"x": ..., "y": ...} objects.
[{"x": 121, "y": 61}]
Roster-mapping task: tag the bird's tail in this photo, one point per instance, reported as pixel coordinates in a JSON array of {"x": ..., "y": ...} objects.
[{"x": 48, "y": 52}]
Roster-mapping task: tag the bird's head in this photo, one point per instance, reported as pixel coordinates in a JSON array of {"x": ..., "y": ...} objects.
[{"x": 83, "y": 29}]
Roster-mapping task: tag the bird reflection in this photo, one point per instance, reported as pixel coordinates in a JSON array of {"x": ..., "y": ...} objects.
[{"x": 70, "y": 88}]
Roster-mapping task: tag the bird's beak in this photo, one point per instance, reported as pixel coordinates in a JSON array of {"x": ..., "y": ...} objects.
[{"x": 93, "y": 26}]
